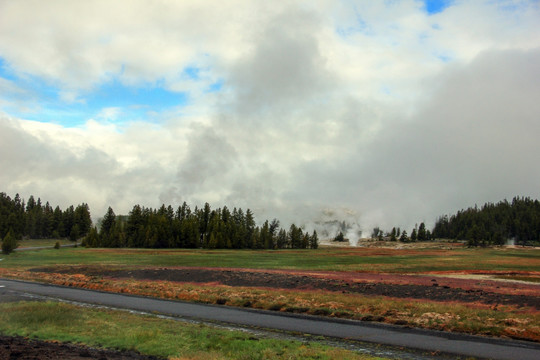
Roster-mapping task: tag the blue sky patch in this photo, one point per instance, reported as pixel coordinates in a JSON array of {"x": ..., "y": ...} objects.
[
  {"x": 41, "y": 101},
  {"x": 5, "y": 71},
  {"x": 115, "y": 94},
  {"x": 215, "y": 86},
  {"x": 192, "y": 72},
  {"x": 436, "y": 6}
]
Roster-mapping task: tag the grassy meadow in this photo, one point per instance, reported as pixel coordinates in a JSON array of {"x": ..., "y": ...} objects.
[
  {"x": 152, "y": 335},
  {"x": 472, "y": 318},
  {"x": 328, "y": 259}
]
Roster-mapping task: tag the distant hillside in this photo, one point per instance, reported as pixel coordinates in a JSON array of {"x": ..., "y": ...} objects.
[{"x": 493, "y": 224}]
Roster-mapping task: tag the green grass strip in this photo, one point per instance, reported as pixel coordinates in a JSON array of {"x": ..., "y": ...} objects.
[
  {"x": 151, "y": 335},
  {"x": 384, "y": 260}
]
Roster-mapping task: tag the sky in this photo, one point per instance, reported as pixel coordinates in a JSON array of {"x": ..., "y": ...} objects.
[{"x": 376, "y": 113}]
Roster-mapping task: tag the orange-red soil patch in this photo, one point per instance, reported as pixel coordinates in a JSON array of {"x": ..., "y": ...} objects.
[
  {"x": 434, "y": 288},
  {"x": 316, "y": 293}
]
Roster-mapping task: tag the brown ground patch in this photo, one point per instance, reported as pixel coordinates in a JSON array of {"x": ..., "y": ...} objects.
[
  {"x": 23, "y": 348},
  {"x": 432, "y": 288}
]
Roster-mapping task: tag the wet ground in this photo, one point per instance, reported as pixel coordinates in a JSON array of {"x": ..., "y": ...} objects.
[{"x": 23, "y": 349}]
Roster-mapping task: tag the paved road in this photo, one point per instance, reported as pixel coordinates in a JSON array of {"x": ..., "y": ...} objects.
[{"x": 462, "y": 345}]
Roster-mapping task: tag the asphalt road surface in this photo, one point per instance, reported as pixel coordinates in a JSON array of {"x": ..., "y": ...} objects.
[{"x": 425, "y": 340}]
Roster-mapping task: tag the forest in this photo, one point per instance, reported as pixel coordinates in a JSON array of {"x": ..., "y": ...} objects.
[
  {"x": 493, "y": 224},
  {"x": 221, "y": 228},
  {"x": 199, "y": 228},
  {"x": 150, "y": 228},
  {"x": 35, "y": 220}
]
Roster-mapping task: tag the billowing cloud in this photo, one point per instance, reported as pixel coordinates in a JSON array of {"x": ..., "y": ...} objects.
[{"x": 369, "y": 113}]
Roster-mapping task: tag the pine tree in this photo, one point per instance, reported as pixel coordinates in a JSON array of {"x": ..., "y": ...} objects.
[
  {"x": 414, "y": 235},
  {"x": 281, "y": 239},
  {"x": 249, "y": 228},
  {"x": 9, "y": 244},
  {"x": 403, "y": 237},
  {"x": 75, "y": 233},
  {"x": 82, "y": 219},
  {"x": 108, "y": 225},
  {"x": 314, "y": 240},
  {"x": 422, "y": 232},
  {"x": 305, "y": 241},
  {"x": 393, "y": 234},
  {"x": 92, "y": 239},
  {"x": 295, "y": 236}
]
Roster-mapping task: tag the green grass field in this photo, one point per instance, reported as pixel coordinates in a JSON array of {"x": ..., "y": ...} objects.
[
  {"x": 468, "y": 318},
  {"x": 152, "y": 335},
  {"x": 361, "y": 259}
]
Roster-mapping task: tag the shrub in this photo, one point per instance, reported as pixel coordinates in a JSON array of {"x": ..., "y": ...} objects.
[
  {"x": 57, "y": 245},
  {"x": 339, "y": 237},
  {"x": 9, "y": 243}
]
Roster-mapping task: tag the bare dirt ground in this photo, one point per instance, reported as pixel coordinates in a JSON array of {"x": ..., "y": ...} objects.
[
  {"x": 434, "y": 288},
  {"x": 23, "y": 348}
]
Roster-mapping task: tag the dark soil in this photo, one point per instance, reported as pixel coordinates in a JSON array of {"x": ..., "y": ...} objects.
[
  {"x": 430, "y": 288},
  {"x": 26, "y": 349}
]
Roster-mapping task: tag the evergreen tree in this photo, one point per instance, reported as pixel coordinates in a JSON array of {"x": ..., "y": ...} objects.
[
  {"x": 295, "y": 236},
  {"x": 393, "y": 234},
  {"x": 421, "y": 232},
  {"x": 92, "y": 239},
  {"x": 414, "y": 234},
  {"x": 305, "y": 240},
  {"x": 314, "y": 240},
  {"x": 68, "y": 220},
  {"x": 135, "y": 227},
  {"x": 57, "y": 224},
  {"x": 75, "y": 233},
  {"x": 339, "y": 237},
  {"x": 9, "y": 243},
  {"x": 282, "y": 239},
  {"x": 82, "y": 218},
  {"x": 256, "y": 239},
  {"x": 249, "y": 228},
  {"x": 266, "y": 236},
  {"x": 403, "y": 237},
  {"x": 106, "y": 232}
]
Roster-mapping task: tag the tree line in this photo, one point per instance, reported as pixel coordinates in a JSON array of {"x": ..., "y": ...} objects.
[
  {"x": 221, "y": 228},
  {"x": 493, "y": 224},
  {"x": 198, "y": 228},
  {"x": 34, "y": 220},
  {"x": 418, "y": 233},
  {"x": 149, "y": 228}
]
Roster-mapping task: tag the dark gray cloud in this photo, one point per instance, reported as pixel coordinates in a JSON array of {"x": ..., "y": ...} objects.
[
  {"x": 209, "y": 158},
  {"x": 475, "y": 141},
  {"x": 283, "y": 69}
]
